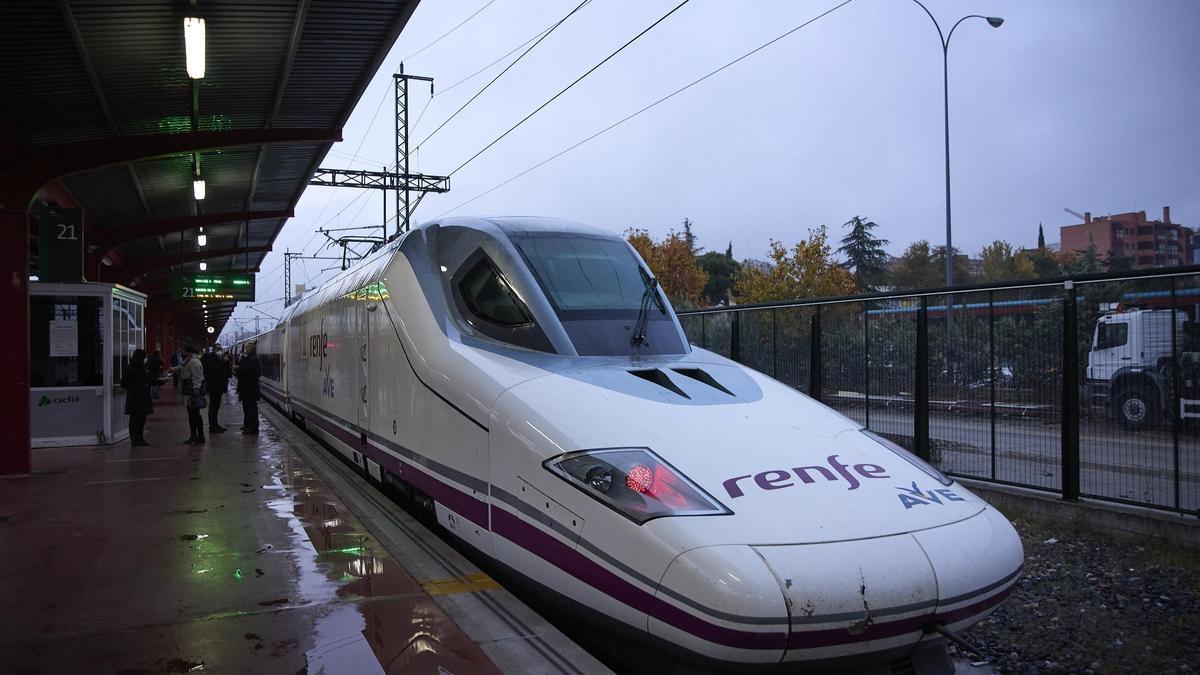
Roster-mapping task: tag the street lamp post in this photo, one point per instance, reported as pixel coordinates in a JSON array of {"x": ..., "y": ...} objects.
[{"x": 994, "y": 22}]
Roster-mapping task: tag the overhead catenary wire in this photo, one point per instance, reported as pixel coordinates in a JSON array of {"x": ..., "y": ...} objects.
[
  {"x": 384, "y": 98},
  {"x": 509, "y": 67},
  {"x": 567, "y": 88},
  {"x": 352, "y": 158},
  {"x": 443, "y": 35},
  {"x": 648, "y": 107},
  {"x": 507, "y": 54}
]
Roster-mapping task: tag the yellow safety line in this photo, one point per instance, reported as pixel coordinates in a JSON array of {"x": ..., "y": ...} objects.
[{"x": 473, "y": 583}]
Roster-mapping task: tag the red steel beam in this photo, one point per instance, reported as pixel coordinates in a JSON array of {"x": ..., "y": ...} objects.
[
  {"x": 31, "y": 168},
  {"x": 140, "y": 268},
  {"x": 114, "y": 235}
]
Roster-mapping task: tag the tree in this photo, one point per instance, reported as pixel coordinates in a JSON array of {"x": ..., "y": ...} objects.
[
  {"x": 721, "y": 269},
  {"x": 1048, "y": 264},
  {"x": 690, "y": 238},
  {"x": 1041, "y": 237},
  {"x": 917, "y": 268},
  {"x": 1115, "y": 262},
  {"x": 807, "y": 270},
  {"x": 864, "y": 253},
  {"x": 729, "y": 251},
  {"x": 672, "y": 263},
  {"x": 1088, "y": 261},
  {"x": 962, "y": 269},
  {"x": 1001, "y": 263}
]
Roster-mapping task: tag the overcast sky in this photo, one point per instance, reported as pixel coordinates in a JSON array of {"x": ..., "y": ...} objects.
[{"x": 1085, "y": 104}]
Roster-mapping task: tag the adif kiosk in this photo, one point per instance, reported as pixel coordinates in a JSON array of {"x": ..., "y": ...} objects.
[{"x": 80, "y": 339}]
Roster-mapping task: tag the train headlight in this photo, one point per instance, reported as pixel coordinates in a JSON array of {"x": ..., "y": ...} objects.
[
  {"x": 634, "y": 482},
  {"x": 910, "y": 458}
]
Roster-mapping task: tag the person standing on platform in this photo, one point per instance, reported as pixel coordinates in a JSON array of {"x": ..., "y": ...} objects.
[
  {"x": 248, "y": 372},
  {"x": 191, "y": 378},
  {"x": 154, "y": 367},
  {"x": 136, "y": 383},
  {"x": 216, "y": 378}
]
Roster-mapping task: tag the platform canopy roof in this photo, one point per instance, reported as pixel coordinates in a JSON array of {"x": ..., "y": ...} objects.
[{"x": 99, "y": 91}]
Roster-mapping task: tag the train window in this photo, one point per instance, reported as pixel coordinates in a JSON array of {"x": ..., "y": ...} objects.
[
  {"x": 586, "y": 274},
  {"x": 489, "y": 296},
  {"x": 490, "y": 305},
  {"x": 601, "y": 294}
]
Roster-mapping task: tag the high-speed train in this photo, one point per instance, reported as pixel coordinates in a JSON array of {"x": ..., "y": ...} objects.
[{"x": 529, "y": 381}]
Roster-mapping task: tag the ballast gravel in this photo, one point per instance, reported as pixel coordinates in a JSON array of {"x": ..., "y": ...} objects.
[{"x": 1092, "y": 602}]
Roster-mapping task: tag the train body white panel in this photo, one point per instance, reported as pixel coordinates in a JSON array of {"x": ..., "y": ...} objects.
[{"x": 528, "y": 377}]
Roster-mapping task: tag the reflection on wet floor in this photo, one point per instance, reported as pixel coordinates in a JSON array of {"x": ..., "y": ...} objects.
[
  {"x": 400, "y": 624},
  {"x": 230, "y": 557}
]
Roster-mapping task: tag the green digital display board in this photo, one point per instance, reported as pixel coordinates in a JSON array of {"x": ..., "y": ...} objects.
[{"x": 220, "y": 286}]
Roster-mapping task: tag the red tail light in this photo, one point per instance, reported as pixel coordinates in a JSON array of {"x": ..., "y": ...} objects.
[
  {"x": 635, "y": 482},
  {"x": 640, "y": 479}
]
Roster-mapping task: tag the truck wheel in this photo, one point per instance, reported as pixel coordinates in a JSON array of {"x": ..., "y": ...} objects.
[{"x": 1135, "y": 408}]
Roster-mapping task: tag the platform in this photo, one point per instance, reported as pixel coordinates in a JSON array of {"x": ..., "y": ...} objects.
[{"x": 260, "y": 554}]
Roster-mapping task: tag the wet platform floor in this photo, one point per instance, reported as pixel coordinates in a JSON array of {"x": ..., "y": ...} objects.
[{"x": 229, "y": 557}]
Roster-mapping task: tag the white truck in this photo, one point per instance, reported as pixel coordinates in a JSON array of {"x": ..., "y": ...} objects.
[{"x": 1130, "y": 369}]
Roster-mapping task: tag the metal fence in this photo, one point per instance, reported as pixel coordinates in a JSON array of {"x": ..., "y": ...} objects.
[{"x": 1087, "y": 387}]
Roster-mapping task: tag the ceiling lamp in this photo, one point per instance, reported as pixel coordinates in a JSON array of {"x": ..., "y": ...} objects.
[
  {"x": 198, "y": 187},
  {"x": 203, "y": 266},
  {"x": 201, "y": 239},
  {"x": 193, "y": 39}
]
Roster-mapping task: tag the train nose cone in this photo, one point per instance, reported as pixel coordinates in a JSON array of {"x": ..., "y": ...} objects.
[
  {"x": 977, "y": 561},
  {"x": 858, "y": 597},
  {"x": 722, "y": 602},
  {"x": 824, "y": 604}
]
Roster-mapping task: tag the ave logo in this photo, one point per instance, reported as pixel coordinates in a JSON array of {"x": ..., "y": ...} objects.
[
  {"x": 913, "y": 496},
  {"x": 327, "y": 384}
]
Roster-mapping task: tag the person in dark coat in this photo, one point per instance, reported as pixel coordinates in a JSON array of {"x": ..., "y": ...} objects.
[
  {"x": 216, "y": 378},
  {"x": 248, "y": 372},
  {"x": 154, "y": 366},
  {"x": 136, "y": 383}
]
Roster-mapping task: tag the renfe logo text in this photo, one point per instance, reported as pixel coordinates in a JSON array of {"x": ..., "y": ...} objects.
[{"x": 776, "y": 479}]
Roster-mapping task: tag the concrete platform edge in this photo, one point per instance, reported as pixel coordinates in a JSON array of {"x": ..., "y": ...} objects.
[{"x": 517, "y": 639}]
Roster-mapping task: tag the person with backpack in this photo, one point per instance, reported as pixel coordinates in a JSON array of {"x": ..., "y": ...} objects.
[{"x": 191, "y": 379}]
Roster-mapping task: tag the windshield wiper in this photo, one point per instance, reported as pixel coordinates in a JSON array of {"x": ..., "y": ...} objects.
[{"x": 648, "y": 296}]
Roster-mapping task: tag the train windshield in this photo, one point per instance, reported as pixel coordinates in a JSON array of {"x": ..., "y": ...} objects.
[
  {"x": 601, "y": 294},
  {"x": 586, "y": 274}
]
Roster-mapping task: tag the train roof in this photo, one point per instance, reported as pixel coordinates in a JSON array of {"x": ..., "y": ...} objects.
[{"x": 372, "y": 268}]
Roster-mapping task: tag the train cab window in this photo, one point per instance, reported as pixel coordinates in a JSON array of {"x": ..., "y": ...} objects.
[
  {"x": 490, "y": 305},
  {"x": 489, "y": 296},
  {"x": 601, "y": 294}
]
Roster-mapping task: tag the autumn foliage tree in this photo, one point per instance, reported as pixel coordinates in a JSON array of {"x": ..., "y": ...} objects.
[
  {"x": 806, "y": 270},
  {"x": 1001, "y": 262},
  {"x": 672, "y": 262}
]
